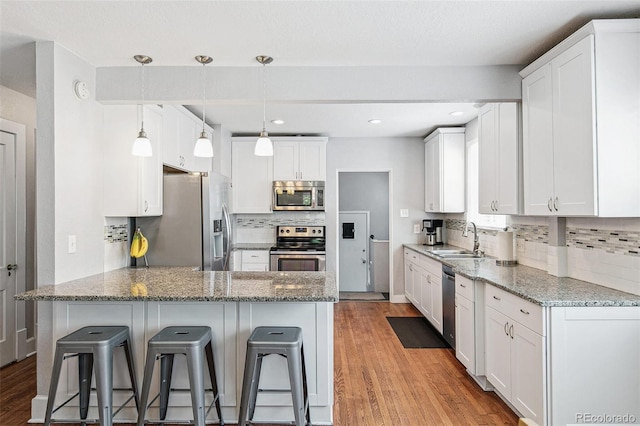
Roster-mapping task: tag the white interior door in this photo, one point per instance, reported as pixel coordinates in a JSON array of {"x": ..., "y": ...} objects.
[
  {"x": 8, "y": 251},
  {"x": 354, "y": 251}
]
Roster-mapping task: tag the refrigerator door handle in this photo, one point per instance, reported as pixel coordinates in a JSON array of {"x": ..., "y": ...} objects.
[{"x": 227, "y": 230}]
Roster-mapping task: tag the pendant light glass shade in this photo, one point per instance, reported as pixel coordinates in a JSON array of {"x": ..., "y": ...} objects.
[
  {"x": 264, "y": 146},
  {"x": 203, "y": 147},
  {"x": 142, "y": 145}
]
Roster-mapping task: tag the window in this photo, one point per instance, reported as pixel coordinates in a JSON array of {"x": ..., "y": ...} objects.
[{"x": 473, "y": 178}]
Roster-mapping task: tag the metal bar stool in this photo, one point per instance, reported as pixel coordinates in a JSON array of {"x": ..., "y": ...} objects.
[
  {"x": 195, "y": 343},
  {"x": 94, "y": 347},
  {"x": 286, "y": 342}
]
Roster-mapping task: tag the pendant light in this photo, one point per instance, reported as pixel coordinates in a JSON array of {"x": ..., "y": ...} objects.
[
  {"x": 142, "y": 144},
  {"x": 264, "y": 147},
  {"x": 203, "y": 146}
]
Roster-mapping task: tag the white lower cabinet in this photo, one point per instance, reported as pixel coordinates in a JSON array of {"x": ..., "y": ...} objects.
[
  {"x": 423, "y": 285},
  {"x": 470, "y": 328},
  {"x": 255, "y": 260},
  {"x": 516, "y": 353}
]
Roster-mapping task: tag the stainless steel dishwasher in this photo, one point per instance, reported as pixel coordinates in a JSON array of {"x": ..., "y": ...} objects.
[{"x": 449, "y": 305}]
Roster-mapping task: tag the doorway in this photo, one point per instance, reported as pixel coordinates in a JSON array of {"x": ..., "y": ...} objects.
[
  {"x": 12, "y": 236},
  {"x": 360, "y": 192}
]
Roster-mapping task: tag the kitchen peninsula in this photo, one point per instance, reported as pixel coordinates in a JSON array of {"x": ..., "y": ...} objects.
[{"x": 231, "y": 303}]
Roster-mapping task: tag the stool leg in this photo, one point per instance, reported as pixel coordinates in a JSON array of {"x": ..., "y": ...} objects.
[
  {"x": 196, "y": 383},
  {"x": 304, "y": 387},
  {"x": 255, "y": 384},
  {"x": 53, "y": 386},
  {"x": 247, "y": 385},
  {"x": 85, "y": 369},
  {"x": 146, "y": 385},
  {"x": 128, "y": 352},
  {"x": 166, "y": 368},
  {"x": 208, "y": 350},
  {"x": 104, "y": 384},
  {"x": 295, "y": 378}
]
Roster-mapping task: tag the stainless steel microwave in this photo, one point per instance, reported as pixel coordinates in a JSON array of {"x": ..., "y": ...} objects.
[{"x": 298, "y": 195}]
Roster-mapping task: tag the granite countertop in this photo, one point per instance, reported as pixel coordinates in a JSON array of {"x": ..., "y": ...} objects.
[
  {"x": 187, "y": 284},
  {"x": 533, "y": 284},
  {"x": 252, "y": 246}
]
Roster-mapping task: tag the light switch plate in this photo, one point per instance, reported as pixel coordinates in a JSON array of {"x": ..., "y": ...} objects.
[
  {"x": 404, "y": 212},
  {"x": 416, "y": 229}
]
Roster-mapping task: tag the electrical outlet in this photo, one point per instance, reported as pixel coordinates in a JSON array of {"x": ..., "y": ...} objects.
[
  {"x": 71, "y": 244},
  {"x": 404, "y": 212},
  {"x": 519, "y": 244},
  {"x": 416, "y": 229}
]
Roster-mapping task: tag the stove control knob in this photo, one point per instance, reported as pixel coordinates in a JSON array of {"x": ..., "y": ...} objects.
[
  {"x": 287, "y": 231},
  {"x": 282, "y": 231},
  {"x": 314, "y": 231}
]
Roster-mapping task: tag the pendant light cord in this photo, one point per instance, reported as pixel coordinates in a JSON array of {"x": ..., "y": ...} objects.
[
  {"x": 264, "y": 98},
  {"x": 142, "y": 96},
  {"x": 204, "y": 91}
]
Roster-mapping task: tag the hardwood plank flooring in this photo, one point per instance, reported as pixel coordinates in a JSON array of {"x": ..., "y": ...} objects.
[{"x": 377, "y": 381}]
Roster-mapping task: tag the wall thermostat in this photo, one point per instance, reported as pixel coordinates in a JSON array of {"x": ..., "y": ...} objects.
[{"x": 81, "y": 89}]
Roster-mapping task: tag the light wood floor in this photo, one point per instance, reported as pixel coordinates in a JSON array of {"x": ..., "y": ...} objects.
[{"x": 377, "y": 381}]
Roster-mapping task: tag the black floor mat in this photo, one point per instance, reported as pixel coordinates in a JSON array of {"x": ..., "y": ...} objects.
[{"x": 416, "y": 333}]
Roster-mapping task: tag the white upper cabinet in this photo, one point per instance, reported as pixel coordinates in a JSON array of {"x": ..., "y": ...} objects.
[
  {"x": 132, "y": 185},
  {"x": 299, "y": 158},
  {"x": 445, "y": 171},
  {"x": 182, "y": 129},
  {"x": 500, "y": 159},
  {"x": 251, "y": 178},
  {"x": 581, "y": 124}
]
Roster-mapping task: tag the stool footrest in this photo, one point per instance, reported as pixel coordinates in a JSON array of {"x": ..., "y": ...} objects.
[{"x": 274, "y": 390}]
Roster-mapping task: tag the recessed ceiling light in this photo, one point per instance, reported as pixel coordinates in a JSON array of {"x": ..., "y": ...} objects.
[
  {"x": 277, "y": 122},
  {"x": 456, "y": 113},
  {"x": 375, "y": 121}
]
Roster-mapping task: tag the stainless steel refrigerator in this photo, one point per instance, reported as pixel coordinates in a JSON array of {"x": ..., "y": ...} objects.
[{"x": 195, "y": 227}]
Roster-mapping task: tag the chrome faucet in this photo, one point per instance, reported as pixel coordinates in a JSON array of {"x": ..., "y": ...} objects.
[{"x": 476, "y": 241}]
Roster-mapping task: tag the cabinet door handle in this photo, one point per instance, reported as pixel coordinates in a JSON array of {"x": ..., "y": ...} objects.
[
  {"x": 555, "y": 204},
  {"x": 496, "y": 297},
  {"x": 146, "y": 206},
  {"x": 549, "y": 205},
  {"x": 411, "y": 267},
  {"x": 524, "y": 312},
  {"x": 506, "y": 331},
  {"x": 429, "y": 279},
  {"x": 463, "y": 286},
  {"x": 511, "y": 331}
]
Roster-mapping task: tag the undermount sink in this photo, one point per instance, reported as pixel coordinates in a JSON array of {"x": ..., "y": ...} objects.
[{"x": 456, "y": 254}]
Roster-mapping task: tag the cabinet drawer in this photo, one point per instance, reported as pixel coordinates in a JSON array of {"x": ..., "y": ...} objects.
[
  {"x": 526, "y": 313},
  {"x": 433, "y": 266},
  {"x": 411, "y": 256},
  {"x": 255, "y": 256},
  {"x": 255, "y": 267},
  {"x": 464, "y": 287}
]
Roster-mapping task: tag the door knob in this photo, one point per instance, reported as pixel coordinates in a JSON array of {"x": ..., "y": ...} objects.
[
  {"x": 364, "y": 261},
  {"x": 11, "y": 267}
]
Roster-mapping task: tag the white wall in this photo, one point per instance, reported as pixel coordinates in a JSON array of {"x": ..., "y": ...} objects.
[
  {"x": 404, "y": 159},
  {"x": 69, "y": 180}
]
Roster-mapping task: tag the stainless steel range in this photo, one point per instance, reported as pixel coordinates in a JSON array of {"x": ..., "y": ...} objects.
[{"x": 299, "y": 248}]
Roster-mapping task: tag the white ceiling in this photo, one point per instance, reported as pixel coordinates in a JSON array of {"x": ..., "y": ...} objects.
[{"x": 300, "y": 33}]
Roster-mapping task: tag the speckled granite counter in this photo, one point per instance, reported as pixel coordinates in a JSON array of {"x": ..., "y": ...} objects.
[
  {"x": 185, "y": 284},
  {"x": 533, "y": 284}
]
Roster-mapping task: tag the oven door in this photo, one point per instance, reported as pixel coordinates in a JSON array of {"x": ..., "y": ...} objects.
[{"x": 298, "y": 261}]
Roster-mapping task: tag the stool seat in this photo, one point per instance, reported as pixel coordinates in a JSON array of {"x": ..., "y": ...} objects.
[
  {"x": 94, "y": 346},
  {"x": 194, "y": 342},
  {"x": 284, "y": 341}
]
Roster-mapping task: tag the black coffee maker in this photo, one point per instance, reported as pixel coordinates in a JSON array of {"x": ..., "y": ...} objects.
[{"x": 432, "y": 229}]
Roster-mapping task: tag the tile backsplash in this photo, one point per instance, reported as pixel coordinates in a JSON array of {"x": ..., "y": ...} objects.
[
  {"x": 261, "y": 228},
  {"x": 605, "y": 252}
]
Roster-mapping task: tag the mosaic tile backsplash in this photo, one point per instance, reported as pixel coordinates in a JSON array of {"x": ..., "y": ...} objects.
[
  {"x": 271, "y": 221},
  {"x": 616, "y": 242},
  {"x": 116, "y": 233}
]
